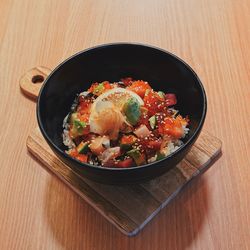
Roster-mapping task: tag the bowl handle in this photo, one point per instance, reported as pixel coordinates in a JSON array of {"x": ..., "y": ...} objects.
[{"x": 32, "y": 81}]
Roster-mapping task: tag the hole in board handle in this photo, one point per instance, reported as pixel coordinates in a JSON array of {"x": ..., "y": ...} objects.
[{"x": 37, "y": 79}]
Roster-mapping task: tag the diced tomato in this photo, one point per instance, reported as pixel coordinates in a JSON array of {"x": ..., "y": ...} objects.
[
  {"x": 155, "y": 145},
  {"x": 170, "y": 99},
  {"x": 127, "y": 81},
  {"x": 86, "y": 130},
  {"x": 139, "y": 87},
  {"x": 82, "y": 158},
  {"x": 125, "y": 163},
  {"x": 109, "y": 164},
  {"x": 154, "y": 103},
  {"x": 128, "y": 162}
]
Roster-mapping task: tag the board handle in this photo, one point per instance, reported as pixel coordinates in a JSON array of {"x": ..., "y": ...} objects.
[{"x": 32, "y": 81}]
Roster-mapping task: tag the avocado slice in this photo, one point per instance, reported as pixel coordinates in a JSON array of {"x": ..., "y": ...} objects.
[
  {"x": 137, "y": 156},
  {"x": 83, "y": 147},
  {"x": 152, "y": 121},
  {"x": 132, "y": 110},
  {"x": 77, "y": 125}
]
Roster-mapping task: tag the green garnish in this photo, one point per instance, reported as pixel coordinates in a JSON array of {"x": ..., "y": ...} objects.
[
  {"x": 152, "y": 121},
  {"x": 98, "y": 89}
]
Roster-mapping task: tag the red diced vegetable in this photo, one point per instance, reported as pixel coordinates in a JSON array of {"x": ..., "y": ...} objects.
[
  {"x": 155, "y": 145},
  {"x": 82, "y": 158},
  {"x": 125, "y": 163},
  {"x": 127, "y": 81},
  {"x": 170, "y": 99}
]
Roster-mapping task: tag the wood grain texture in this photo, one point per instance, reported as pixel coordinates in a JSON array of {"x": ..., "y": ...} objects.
[
  {"x": 117, "y": 203},
  {"x": 32, "y": 81},
  {"x": 37, "y": 211}
]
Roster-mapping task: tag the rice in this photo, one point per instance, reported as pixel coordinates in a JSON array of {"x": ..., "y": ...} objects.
[
  {"x": 67, "y": 141},
  {"x": 152, "y": 159},
  {"x": 170, "y": 148},
  {"x": 65, "y": 122},
  {"x": 186, "y": 130}
]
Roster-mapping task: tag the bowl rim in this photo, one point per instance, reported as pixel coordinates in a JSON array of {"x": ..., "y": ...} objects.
[{"x": 114, "y": 44}]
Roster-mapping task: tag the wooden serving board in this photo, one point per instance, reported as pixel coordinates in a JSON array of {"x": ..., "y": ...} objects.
[{"x": 131, "y": 207}]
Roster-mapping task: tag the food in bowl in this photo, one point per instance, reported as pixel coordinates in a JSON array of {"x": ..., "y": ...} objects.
[{"x": 123, "y": 124}]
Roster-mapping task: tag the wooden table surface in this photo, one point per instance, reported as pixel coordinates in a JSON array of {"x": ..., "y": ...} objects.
[{"x": 37, "y": 211}]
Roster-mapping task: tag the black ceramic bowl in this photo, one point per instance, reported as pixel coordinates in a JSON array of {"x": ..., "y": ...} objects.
[{"x": 163, "y": 70}]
